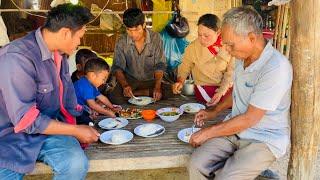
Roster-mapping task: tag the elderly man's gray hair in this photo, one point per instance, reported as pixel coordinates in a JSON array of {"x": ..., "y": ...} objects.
[{"x": 243, "y": 20}]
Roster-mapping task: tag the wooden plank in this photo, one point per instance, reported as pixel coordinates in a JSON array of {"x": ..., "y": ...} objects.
[
  {"x": 305, "y": 107},
  {"x": 280, "y": 27},
  {"x": 284, "y": 27},
  {"x": 288, "y": 39},
  {"x": 275, "y": 39},
  {"x": 164, "y": 151}
]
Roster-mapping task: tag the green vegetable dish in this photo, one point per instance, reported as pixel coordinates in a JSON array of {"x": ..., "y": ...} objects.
[{"x": 171, "y": 113}]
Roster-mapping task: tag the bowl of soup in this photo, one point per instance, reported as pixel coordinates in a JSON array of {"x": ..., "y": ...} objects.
[{"x": 169, "y": 114}]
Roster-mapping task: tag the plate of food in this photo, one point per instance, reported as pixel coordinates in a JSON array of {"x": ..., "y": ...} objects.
[
  {"x": 149, "y": 130},
  {"x": 130, "y": 113},
  {"x": 116, "y": 137},
  {"x": 185, "y": 134},
  {"x": 192, "y": 108},
  {"x": 113, "y": 123},
  {"x": 141, "y": 100}
]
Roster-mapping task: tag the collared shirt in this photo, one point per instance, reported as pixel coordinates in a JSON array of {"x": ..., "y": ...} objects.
[
  {"x": 265, "y": 84},
  {"x": 28, "y": 79},
  {"x": 85, "y": 91},
  {"x": 140, "y": 66},
  {"x": 207, "y": 69}
]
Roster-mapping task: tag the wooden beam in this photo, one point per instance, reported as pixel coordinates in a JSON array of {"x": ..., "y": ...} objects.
[
  {"x": 97, "y": 12},
  {"x": 305, "y": 108}
]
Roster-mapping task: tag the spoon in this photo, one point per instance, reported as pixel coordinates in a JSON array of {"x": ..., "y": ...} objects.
[
  {"x": 185, "y": 97},
  {"x": 136, "y": 98},
  {"x": 159, "y": 131},
  {"x": 192, "y": 128}
]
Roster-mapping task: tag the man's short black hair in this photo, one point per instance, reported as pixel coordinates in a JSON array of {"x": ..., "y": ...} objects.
[
  {"x": 210, "y": 21},
  {"x": 96, "y": 65},
  {"x": 83, "y": 55},
  {"x": 69, "y": 16},
  {"x": 133, "y": 17}
]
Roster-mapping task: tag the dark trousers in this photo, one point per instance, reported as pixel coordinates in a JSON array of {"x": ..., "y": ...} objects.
[
  {"x": 116, "y": 95},
  {"x": 84, "y": 118}
]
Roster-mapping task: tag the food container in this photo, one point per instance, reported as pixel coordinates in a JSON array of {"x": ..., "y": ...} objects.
[
  {"x": 169, "y": 114},
  {"x": 148, "y": 114},
  {"x": 188, "y": 88}
]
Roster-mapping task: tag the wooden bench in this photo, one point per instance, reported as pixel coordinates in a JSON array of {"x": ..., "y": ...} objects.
[{"x": 165, "y": 151}]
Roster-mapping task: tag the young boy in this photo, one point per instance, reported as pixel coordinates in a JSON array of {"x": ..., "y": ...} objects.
[
  {"x": 82, "y": 57},
  {"x": 96, "y": 72}
]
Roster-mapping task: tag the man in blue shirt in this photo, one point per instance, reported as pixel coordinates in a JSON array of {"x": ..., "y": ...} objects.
[
  {"x": 257, "y": 131},
  {"x": 37, "y": 98}
]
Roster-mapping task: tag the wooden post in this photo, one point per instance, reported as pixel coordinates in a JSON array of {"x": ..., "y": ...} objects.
[{"x": 305, "y": 108}]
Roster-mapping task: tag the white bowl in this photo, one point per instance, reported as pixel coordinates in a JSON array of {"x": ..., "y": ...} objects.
[
  {"x": 166, "y": 110},
  {"x": 192, "y": 108}
]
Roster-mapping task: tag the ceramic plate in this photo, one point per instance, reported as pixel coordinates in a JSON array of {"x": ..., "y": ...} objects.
[
  {"x": 192, "y": 107},
  {"x": 149, "y": 130},
  {"x": 185, "y": 134},
  {"x": 113, "y": 123},
  {"x": 116, "y": 137},
  {"x": 145, "y": 100}
]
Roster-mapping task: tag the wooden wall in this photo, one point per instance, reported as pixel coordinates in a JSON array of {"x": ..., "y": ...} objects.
[
  {"x": 196, "y": 8},
  {"x": 103, "y": 42}
]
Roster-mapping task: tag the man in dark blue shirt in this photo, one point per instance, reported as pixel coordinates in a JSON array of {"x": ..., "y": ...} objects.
[{"x": 38, "y": 102}]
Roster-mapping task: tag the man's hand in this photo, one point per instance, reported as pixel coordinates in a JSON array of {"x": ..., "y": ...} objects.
[
  {"x": 199, "y": 137},
  {"x": 127, "y": 91},
  {"x": 200, "y": 117},
  {"x": 157, "y": 94},
  {"x": 176, "y": 87},
  {"x": 110, "y": 113},
  {"x": 86, "y": 134},
  {"x": 116, "y": 108},
  {"x": 94, "y": 114},
  {"x": 215, "y": 99}
]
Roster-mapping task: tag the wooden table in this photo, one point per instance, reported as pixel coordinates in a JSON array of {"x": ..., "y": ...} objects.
[{"x": 165, "y": 151}]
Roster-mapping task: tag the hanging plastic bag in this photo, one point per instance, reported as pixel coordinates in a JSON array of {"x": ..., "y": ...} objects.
[{"x": 174, "y": 50}]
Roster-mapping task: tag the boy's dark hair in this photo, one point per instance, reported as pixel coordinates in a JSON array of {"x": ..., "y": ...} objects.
[
  {"x": 210, "y": 21},
  {"x": 69, "y": 16},
  {"x": 96, "y": 65},
  {"x": 84, "y": 54},
  {"x": 133, "y": 17}
]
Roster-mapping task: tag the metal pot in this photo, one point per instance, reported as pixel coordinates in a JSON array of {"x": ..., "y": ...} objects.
[{"x": 188, "y": 88}]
